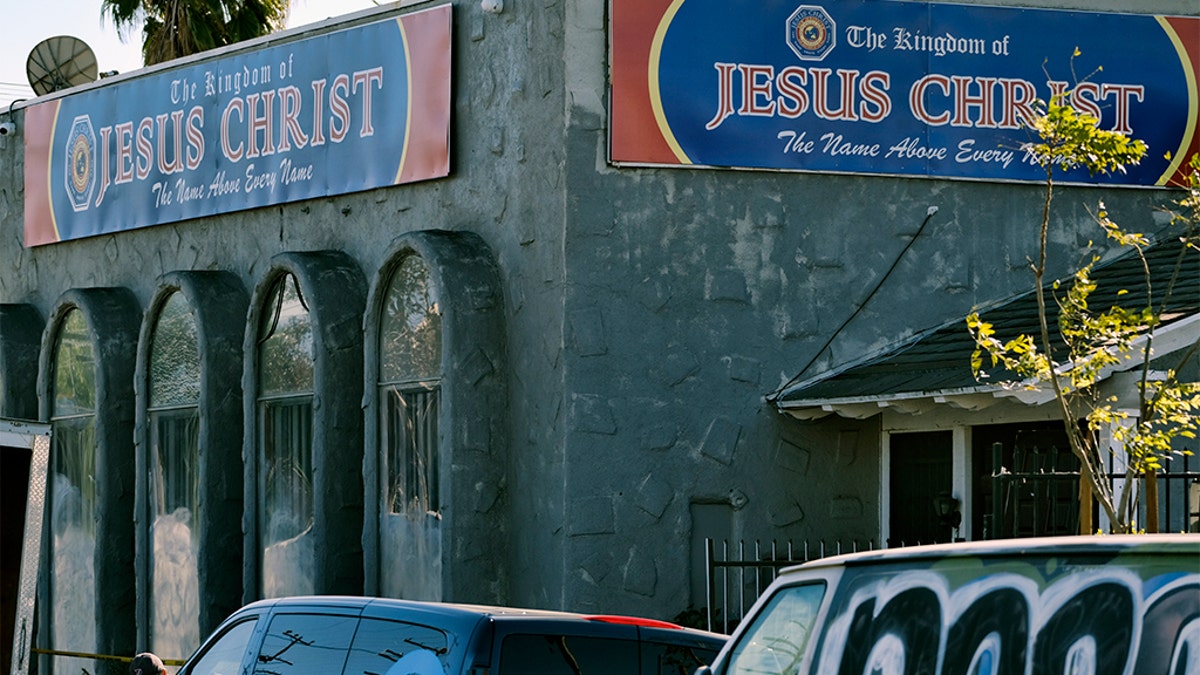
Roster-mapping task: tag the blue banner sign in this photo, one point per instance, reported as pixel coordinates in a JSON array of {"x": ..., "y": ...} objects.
[
  {"x": 903, "y": 88},
  {"x": 350, "y": 110}
]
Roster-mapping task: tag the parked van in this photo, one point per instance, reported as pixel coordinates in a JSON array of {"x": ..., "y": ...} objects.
[
  {"x": 323, "y": 635},
  {"x": 1092, "y": 604}
]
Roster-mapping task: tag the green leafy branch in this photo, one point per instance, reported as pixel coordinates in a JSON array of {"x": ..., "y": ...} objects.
[{"x": 1097, "y": 341}]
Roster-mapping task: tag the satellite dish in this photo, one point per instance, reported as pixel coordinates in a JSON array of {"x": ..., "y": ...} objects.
[{"x": 60, "y": 62}]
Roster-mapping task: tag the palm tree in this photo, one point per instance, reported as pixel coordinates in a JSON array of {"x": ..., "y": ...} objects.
[{"x": 176, "y": 28}]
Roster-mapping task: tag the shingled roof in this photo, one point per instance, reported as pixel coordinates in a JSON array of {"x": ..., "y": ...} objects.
[{"x": 934, "y": 366}]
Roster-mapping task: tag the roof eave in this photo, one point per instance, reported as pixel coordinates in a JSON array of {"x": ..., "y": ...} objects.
[{"x": 1174, "y": 337}]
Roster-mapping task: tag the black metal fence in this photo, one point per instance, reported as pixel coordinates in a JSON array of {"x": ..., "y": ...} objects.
[
  {"x": 735, "y": 576},
  {"x": 1035, "y": 492},
  {"x": 1031, "y": 491}
]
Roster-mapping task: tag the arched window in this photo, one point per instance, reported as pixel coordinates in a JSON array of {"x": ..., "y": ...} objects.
[
  {"x": 409, "y": 390},
  {"x": 73, "y": 493},
  {"x": 173, "y": 498},
  {"x": 285, "y": 442}
]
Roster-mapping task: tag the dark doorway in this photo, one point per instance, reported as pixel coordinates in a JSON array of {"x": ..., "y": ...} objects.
[
  {"x": 921, "y": 470},
  {"x": 14, "y": 490}
]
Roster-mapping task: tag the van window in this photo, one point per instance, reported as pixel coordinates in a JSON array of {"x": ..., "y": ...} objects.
[
  {"x": 381, "y": 645},
  {"x": 305, "y": 643},
  {"x": 567, "y": 655},
  {"x": 775, "y": 643},
  {"x": 225, "y": 655}
]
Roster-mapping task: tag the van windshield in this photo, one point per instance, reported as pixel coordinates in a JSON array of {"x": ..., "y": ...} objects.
[{"x": 777, "y": 640}]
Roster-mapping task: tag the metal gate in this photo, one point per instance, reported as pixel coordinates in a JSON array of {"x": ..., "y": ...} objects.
[
  {"x": 1035, "y": 492},
  {"x": 735, "y": 577}
]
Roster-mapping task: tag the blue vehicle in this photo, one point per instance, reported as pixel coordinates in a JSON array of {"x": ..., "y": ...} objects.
[{"x": 333, "y": 635}]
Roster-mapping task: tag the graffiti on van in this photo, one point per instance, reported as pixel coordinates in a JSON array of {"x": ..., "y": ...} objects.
[{"x": 1106, "y": 620}]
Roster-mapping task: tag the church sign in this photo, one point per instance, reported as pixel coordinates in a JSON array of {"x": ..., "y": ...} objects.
[
  {"x": 899, "y": 88},
  {"x": 350, "y": 110}
]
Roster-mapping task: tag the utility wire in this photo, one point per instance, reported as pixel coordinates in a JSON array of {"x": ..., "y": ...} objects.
[{"x": 774, "y": 396}]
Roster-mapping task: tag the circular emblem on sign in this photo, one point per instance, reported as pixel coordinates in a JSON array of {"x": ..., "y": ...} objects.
[
  {"x": 811, "y": 33},
  {"x": 81, "y": 162}
]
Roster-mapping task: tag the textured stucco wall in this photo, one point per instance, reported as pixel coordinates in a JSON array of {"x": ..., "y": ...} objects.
[
  {"x": 506, "y": 185},
  {"x": 648, "y": 311},
  {"x": 691, "y": 294}
]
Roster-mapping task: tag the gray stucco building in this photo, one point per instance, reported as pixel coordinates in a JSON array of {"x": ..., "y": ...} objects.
[{"x": 541, "y": 378}]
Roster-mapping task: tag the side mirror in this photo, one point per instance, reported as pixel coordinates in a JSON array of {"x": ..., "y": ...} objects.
[{"x": 703, "y": 670}]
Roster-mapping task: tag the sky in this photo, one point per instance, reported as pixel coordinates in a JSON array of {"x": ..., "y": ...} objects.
[{"x": 25, "y": 23}]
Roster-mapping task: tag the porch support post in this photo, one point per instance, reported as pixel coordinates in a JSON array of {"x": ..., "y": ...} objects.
[
  {"x": 1085, "y": 506},
  {"x": 1151, "y": 501}
]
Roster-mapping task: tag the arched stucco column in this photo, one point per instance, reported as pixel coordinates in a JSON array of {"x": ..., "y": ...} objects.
[
  {"x": 112, "y": 316},
  {"x": 474, "y": 412},
  {"x": 218, "y": 302},
  {"x": 334, "y": 289}
]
